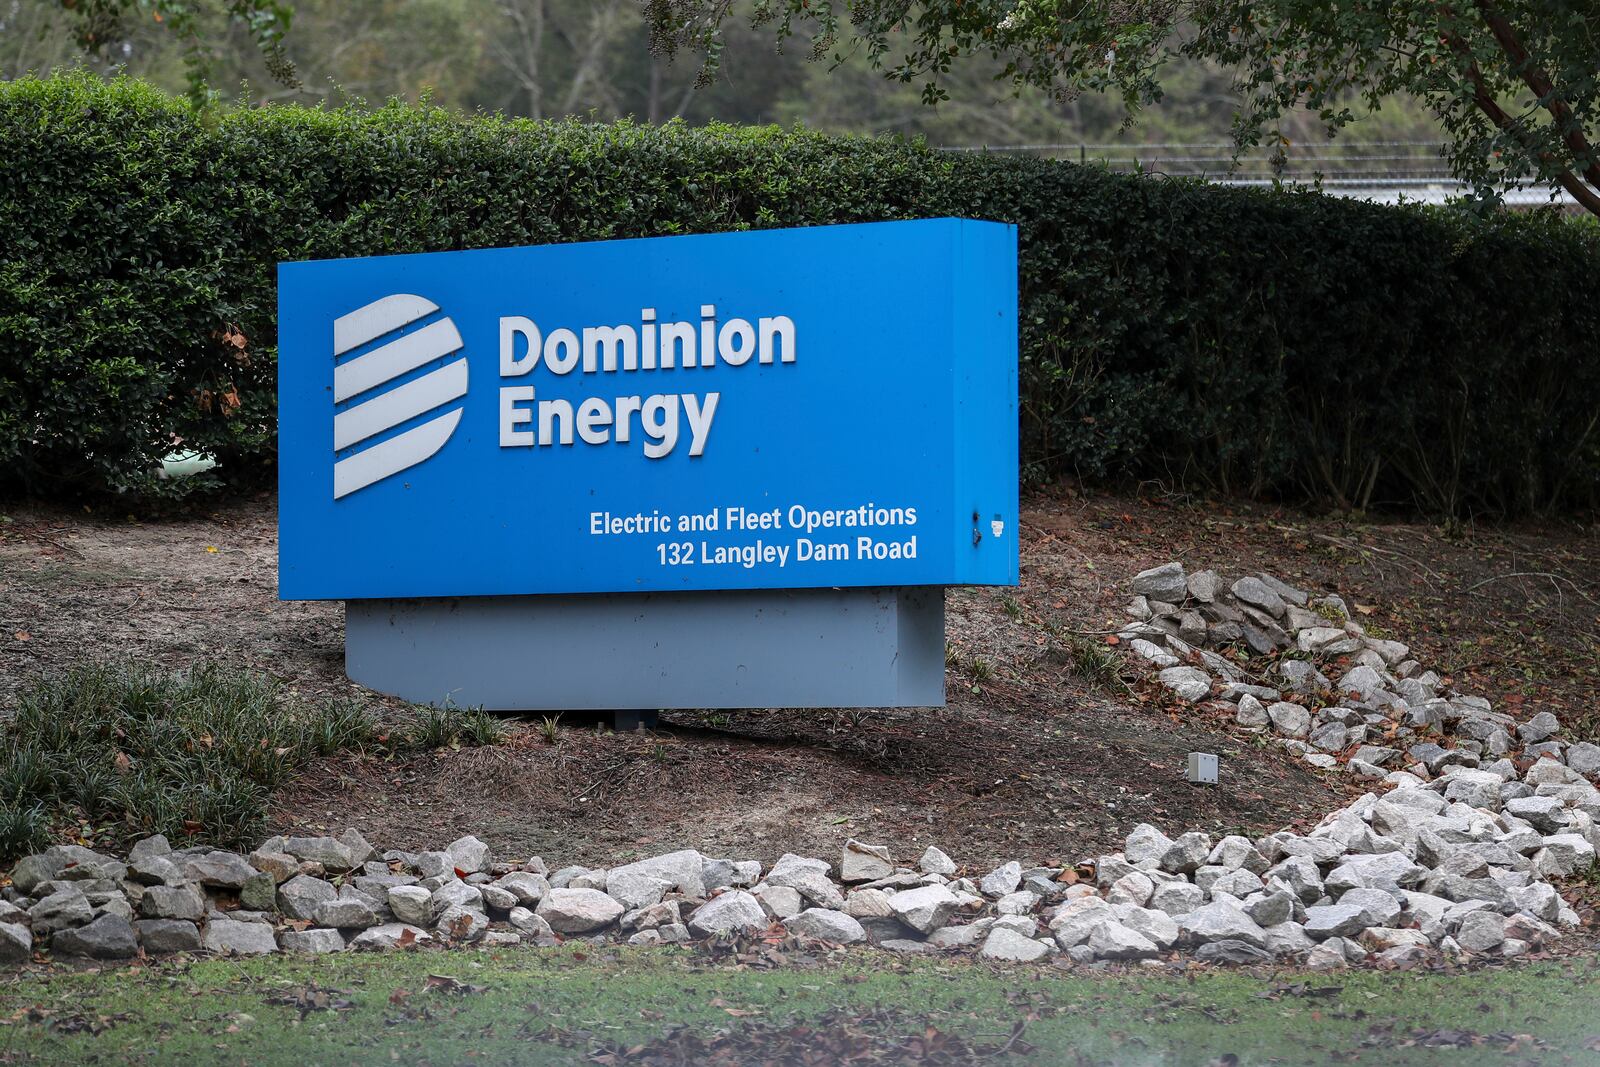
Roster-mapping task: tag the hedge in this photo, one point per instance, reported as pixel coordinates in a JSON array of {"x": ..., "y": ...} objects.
[{"x": 1251, "y": 342}]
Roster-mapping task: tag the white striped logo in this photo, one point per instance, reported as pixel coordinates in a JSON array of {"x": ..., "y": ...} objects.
[{"x": 364, "y": 410}]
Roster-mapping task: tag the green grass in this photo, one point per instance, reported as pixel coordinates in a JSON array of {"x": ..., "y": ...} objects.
[
  {"x": 108, "y": 752},
  {"x": 529, "y": 1006},
  {"x": 119, "y": 750}
]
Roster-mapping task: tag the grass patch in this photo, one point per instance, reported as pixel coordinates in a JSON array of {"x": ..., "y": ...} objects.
[
  {"x": 451, "y": 727},
  {"x": 1095, "y": 663},
  {"x": 108, "y": 752},
  {"x": 123, "y": 751},
  {"x": 529, "y": 1006}
]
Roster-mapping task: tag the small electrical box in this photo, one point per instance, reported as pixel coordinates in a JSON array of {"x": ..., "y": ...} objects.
[{"x": 1202, "y": 768}]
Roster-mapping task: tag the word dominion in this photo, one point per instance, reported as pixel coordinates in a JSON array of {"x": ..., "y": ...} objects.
[{"x": 528, "y": 422}]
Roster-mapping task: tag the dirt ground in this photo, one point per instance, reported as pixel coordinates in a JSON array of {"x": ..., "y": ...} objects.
[{"x": 1038, "y": 755}]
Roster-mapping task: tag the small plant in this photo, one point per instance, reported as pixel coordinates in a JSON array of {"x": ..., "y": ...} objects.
[
  {"x": 550, "y": 729},
  {"x": 981, "y": 671},
  {"x": 24, "y": 828},
  {"x": 1095, "y": 663},
  {"x": 1010, "y": 605},
  {"x": 952, "y": 658},
  {"x": 479, "y": 727},
  {"x": 340, "y": 724},
  {"x": 433, "y": 728},
  {"x": 191, "y": 754}
]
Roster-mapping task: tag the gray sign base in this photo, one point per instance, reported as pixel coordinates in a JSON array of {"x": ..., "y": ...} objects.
[{"x": 802, "y": 648}]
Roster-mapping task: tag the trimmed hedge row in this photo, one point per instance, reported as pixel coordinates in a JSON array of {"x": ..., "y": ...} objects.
[{"x": 1253, "y": 342}]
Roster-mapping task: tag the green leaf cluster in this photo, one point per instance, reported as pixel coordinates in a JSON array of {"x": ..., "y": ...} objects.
[{"x": 1256, "y": 342}]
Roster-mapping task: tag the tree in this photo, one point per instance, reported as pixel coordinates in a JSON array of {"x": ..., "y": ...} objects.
[
  {"x": 1515, "y": 84},
  {"x": 100, "y": 24}
]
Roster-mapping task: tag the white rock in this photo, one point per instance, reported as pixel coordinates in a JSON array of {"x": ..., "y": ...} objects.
[
  {"x": 1290, "y": 720},
  {"x": 1476, "y": 789},
  {"x": 1334, "y": 920},
  {"x": 1563, "y": 855},
  {"x": 813, "y": 884},
  {"x": 634, "y": 890},
  {"x": 389, "y": 936},
  {"x": 1188, "y": 683},
  {"x": 1134, "y": 888},
  {"x": 1153, "y": 653},
  {"x": 1234, "y": 851},
  {"x": 1326, "y": 641},
  {"x": 934, "y": 861},
  {"x": 1251, "y": 713},
  {"x": 1075, "y": 920},
  {"x": 1165, "y": 583},
  {"x": 1187, "y": 852},
  {"x": 1112, "y": 940},
  {"x": 1002, "y": 880},
  {"x": 1145, "y": 846},
  {"x": 735, "y": 911},
  {"x": 456, "y": 893},
  {"x": 825, "y": 925},
  {"x": 1481, "y": 931},
  {"x": 1270, "y": 907},
  {"x": 1378, "y": 908},
  {"x": 312, "y": 942},
  {"x": 926, "y": 909},
  {"x": 862, "y": 862},
  {"x": 533, "y": 929},
  {"x": 1022, "y": 902},
  {"x": 226, "y": 936},
  {"x": 578, "y": 911},
  {"x": 527, "y": 887},
  {"x": 16, "y": 942},
  {"x": 682, "y": 870},
  {"x": 1583, "y": 758},
  {"x": 866, "y": 904},
  {"x": 1388, "y": 870},
  {"x": 1008, "y": 945},
  {"x": 1220, "y": 922},
  {"x": 1026, "y": 925},
  {"x": 468, "y": 854},
  {"x": 784, "y": 901},
  {"x": 460, "y": 923},
  {"x": 1288, "y": 939},
  {"x": 1258, "y": 594},
  {"x": 960, "y": 936},
  {"x": 1157, "y": 926},
  {"x": 1177, "y": 898}
]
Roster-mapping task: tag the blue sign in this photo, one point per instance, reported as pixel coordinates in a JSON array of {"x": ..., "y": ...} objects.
[{"x": 780, "y": 409}]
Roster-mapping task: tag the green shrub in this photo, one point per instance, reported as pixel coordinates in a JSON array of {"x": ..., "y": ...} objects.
[
  {"x": 446, "y": 726},
  {"x": 193, "y": 755},
  {"x": 1245, "y": 341}
]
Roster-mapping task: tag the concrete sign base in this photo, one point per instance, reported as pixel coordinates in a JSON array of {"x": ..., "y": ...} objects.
[{"x": 801, "y": 648}]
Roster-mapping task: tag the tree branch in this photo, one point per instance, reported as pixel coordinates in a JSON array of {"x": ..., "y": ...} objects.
[
  {"x": 1484, "y": 98},
  {"x": 1544, "y": 88}
]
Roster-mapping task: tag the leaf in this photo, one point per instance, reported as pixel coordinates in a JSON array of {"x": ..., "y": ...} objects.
[
  {"x": 23, "y": 635},
  {"x": 443, "y": 983}
]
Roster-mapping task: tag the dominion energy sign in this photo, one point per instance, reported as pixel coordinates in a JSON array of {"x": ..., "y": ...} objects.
[{"x": 827, "y": 408}]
